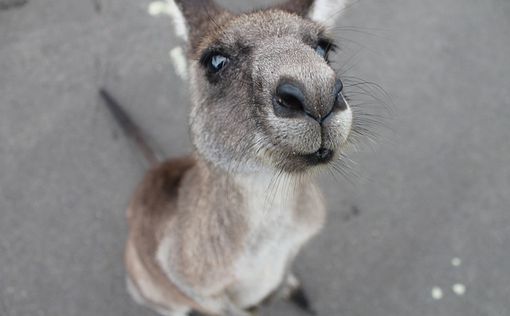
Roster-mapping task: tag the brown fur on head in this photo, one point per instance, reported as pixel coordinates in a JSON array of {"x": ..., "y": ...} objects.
[{"x": 263, "y": 92}]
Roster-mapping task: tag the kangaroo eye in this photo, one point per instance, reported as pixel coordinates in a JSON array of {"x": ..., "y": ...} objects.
[
  {"x": 324, "y": 47},
  {"x": 322, "y": 51},
  {"x": 217, "y": 62}
]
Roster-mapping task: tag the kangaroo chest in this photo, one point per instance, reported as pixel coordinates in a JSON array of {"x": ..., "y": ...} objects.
[{"x": 276, "y": 233}]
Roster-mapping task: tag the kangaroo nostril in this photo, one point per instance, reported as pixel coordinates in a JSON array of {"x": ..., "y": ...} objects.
[
  {"x": 339, "y": 98},
  {"x": 339, "y": 86},
  {"x": 290, "y": 97},
  {"x": 290, "y": 102}
]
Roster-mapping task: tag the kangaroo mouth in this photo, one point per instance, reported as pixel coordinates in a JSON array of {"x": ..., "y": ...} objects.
[
  {"x": 321, "y": 156},
  {"x": 301, "y": 162}
]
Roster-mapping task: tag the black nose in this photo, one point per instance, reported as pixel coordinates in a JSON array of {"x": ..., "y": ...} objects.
[{"x": 289, "y": 101}]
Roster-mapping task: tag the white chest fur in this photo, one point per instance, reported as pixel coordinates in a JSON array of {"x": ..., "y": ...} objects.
[{"x": 275, "y": 237}]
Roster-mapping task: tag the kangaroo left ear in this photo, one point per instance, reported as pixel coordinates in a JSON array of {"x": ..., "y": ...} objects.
[
  {"x": 192, "y": 18},
  {"x": 324, "y": 12}
]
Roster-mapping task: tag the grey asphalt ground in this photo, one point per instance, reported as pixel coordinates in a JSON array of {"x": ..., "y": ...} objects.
[{"x": 436, "y": 186}]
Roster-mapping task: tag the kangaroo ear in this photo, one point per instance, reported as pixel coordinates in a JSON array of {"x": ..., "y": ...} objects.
[
  {"x": 324, "y": 12},
  {"x": 192, "y": 17}
]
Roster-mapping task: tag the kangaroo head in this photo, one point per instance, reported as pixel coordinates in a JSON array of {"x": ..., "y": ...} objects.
[{"x": 263, "y": 91}]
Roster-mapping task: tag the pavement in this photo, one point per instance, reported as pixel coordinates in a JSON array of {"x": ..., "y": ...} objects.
[{"x": 420, "y": 226}]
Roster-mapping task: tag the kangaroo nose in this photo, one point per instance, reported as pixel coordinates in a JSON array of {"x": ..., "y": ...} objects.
[{"x": 289, "y": 101}]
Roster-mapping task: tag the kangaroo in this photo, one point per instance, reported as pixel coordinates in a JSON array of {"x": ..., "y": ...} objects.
[{"x": 216, "y": 232}]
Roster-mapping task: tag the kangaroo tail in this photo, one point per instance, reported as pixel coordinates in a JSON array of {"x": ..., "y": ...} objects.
[{"x": 131, "y": 129}]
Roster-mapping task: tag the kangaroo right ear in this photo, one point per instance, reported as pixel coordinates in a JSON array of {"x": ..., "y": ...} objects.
[
  {"x": 324, "y": 12},
  {"x": 192, "y": 17}
]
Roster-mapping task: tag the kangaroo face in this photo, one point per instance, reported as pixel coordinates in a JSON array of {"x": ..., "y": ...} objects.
[{"x": 263, "y": 90}]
